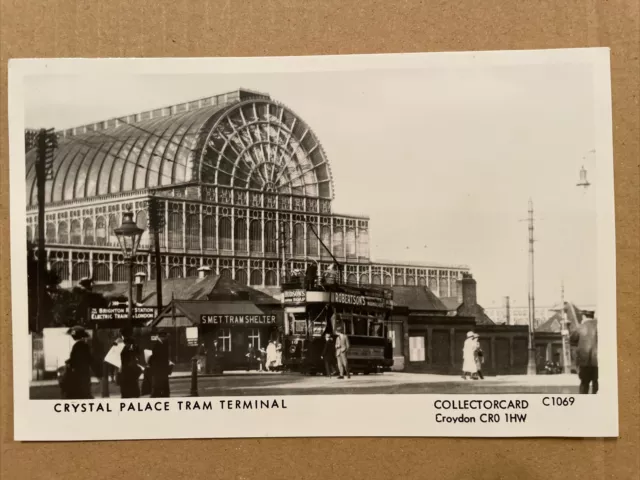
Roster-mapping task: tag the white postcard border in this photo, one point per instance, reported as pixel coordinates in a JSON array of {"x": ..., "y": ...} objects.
[{"x": 325, "y": 415}]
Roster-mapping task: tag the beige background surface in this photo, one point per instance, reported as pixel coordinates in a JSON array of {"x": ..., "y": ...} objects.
[{"x": 64, "y": 28}]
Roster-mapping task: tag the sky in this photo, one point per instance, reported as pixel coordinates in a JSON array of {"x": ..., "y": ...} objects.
[{"x": 442, "y": 160}]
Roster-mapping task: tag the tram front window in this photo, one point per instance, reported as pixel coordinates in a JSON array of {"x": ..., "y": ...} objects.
[
  {"x": 360, "y": 325},
  {"x": 297, "y": 323}
]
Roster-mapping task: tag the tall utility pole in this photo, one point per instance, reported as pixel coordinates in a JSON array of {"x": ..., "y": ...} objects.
[
  {"x": 46, "y": 145},
  {"x": 283, "y": 252},
  {"x": 156, "y": 225},
  {"x": 531, "y": 365},
  {"x": 566, "y": 347},
  {"x": 507, "y": 306}
]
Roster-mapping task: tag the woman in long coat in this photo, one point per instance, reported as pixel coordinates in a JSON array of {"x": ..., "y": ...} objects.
[
  {"x": 130, "y": 369},
  {"x": 77, "y": 383},
  {"x": 469, "y": 366}
]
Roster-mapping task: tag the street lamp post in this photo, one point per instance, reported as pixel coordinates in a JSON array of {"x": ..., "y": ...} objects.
[{"x": 129, "y": 235}]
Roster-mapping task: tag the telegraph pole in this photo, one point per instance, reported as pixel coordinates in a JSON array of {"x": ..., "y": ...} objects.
[
  {"x": 507, "y": 306},
  {"x": 156, "y": 225},
  {"x": 531, "y": 365},
  {"x": 46, "y": 145},
  {"x": 566, "y": 347}
]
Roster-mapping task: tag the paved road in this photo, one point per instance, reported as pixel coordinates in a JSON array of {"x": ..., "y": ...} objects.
[{"x": 396, "y": 382}]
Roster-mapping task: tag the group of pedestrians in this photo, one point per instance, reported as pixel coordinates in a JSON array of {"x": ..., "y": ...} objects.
[
  {"x": 265, "y": 360},
  {"x": 334, "y": 354},
  {"x": 584, "y": 338},
  {"x": 75, "y": 376}
]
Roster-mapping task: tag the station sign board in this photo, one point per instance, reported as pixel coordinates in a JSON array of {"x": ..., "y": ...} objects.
[{"x": 122, "y": 313}]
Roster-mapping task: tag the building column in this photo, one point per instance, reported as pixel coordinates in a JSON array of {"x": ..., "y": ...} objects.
[
  {"x": 278, "y": 239},
  {"x": 452, "y": 347},
  {"x": 233, "y": 231},
  {"x": 429, "y": 346},
  {"x": 110, "y": 263},
  {"x": 165, "y": 233},
  {"x": 248, "y": 238},
  {"x": 262, "y": 249},
  {"x": 201, "y": 232},
  {"x": 357, "y": 240},
  {"x": 184, "y": 227},
  {"x": 304, "y": 235},
  {"x": 90, "y": 264},
  {"x": 70, "y": 261},
  {"x": 217, "y": 224},
  {"x": 511, "y": 353},
  {"x": 332, "y": 235},
  {"x": 493, "y": 353}
]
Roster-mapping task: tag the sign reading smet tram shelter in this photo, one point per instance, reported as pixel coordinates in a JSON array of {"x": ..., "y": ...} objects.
[{"x": 237, "y": 319}]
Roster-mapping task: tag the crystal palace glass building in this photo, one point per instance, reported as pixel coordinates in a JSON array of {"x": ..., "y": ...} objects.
[{"x": 243, "y": 182}]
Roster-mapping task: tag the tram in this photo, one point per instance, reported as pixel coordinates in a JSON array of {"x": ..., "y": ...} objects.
[{"x": 313, "y": 309}]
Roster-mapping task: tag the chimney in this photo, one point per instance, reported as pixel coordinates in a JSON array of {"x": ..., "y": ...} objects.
[
  {"x": 468, "y": 289},
  {"x": 139, "y": 281},
  {"x": 203, "y": 272}
]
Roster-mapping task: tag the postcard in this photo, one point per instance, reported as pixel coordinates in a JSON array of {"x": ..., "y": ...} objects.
[{"x": 358, "y": 245}]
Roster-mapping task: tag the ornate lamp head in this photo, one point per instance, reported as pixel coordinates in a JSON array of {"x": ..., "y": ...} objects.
[{"x": 128, "y": 234}]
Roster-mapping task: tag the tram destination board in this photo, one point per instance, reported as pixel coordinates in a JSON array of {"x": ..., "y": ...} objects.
[{"x": 359, "y": 300}]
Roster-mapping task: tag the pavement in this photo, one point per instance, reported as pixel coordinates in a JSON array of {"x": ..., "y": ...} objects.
[{"x": 255, "y": 384}]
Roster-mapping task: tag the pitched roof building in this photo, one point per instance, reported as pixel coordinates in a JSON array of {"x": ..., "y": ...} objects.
[{"x": 465, "y": 303}]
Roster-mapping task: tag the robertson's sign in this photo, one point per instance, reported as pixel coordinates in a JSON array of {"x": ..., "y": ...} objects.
[
  {"x": 121, "y": 313},
  {"x": 237, "y": 319},
  {"x": 359, "y": 300}
]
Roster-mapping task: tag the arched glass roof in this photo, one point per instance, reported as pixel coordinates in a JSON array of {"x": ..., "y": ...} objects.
[{"x": 253, "y": 143}]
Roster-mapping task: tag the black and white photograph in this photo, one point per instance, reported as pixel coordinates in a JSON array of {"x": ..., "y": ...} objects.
[{"x": 249, "y": 247}]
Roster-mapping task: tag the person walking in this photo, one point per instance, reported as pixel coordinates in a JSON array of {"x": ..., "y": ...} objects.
[
  {"x": 271, "y": 356},
  {"x": 329, "y": 355},
  {"x": 77, "y": 384},
  {"x": 278, "y": 364},
  {"x": 469, "y": 366},
  {"x": 130, "y": 368},
  {"x": 160, "y": 367},
  {"x": 342, "y": 347},
  {"x": 585, "y": 337},
  {"x": 478, "y": 356}
]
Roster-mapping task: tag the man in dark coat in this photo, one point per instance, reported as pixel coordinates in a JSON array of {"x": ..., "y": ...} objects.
[
  {"x": 251, "y": 357},
  {"x": 585, "y": 337},
  {"x": 213, "y": 357},
  {"x": 329, "y": 355},
  {"x": 160, "y": 368},
  {"x": 130, "y": 369},
  {"x": 79, "y": 366}
]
